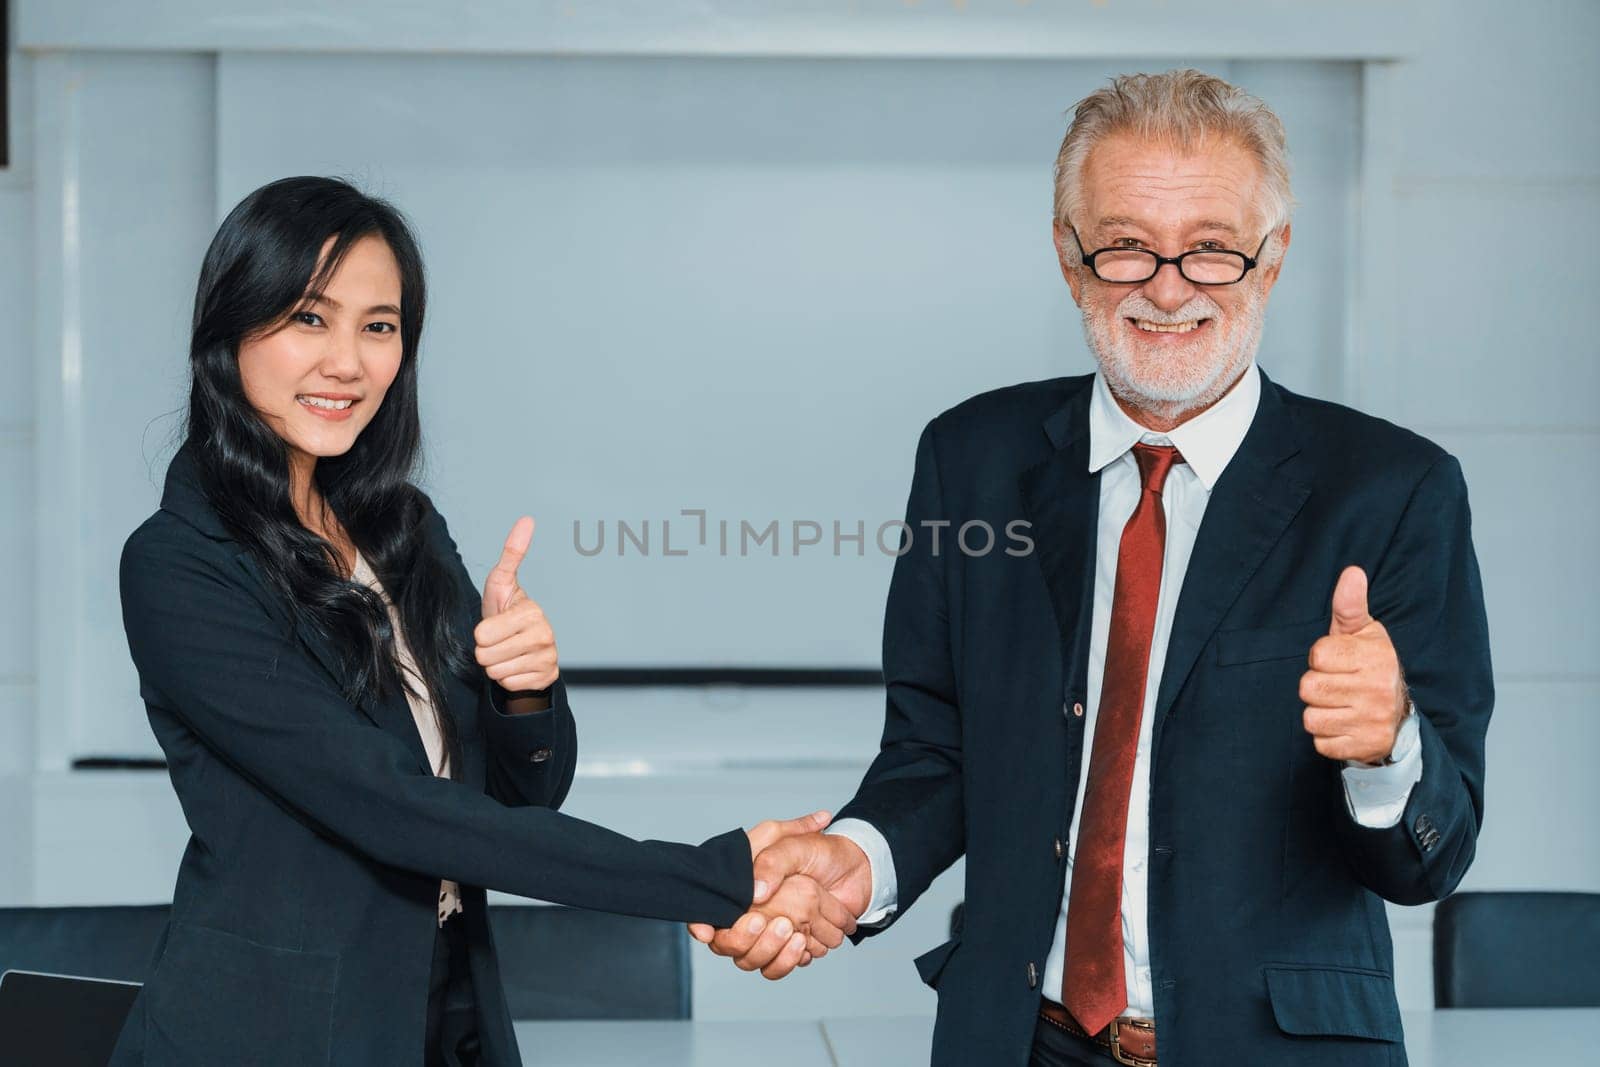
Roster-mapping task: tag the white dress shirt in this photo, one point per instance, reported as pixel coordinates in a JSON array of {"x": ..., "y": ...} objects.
[{"x": 1376, "y": 796}]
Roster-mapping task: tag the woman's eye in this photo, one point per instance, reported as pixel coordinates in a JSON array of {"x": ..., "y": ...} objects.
[
  {"x": 381, "y": 327},
  {"x": 308, "y": 318}
]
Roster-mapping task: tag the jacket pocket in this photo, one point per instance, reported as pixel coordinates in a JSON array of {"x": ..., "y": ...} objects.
[
  {"x": 1340, "y": 1001},
  {"x": 1289, "y": 641},
  {"x": 931, "y": 964},
  {"x": 216, "y": 997}
]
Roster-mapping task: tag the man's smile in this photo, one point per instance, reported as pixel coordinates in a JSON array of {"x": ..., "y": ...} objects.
[{"x": 1146, "y": 326}]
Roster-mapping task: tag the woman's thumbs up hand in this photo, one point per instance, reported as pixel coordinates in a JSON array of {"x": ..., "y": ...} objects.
[{"x": 515, "y": 643}]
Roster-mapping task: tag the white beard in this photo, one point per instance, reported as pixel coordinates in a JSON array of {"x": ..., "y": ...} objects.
[{"x": 1194, "y": 375}]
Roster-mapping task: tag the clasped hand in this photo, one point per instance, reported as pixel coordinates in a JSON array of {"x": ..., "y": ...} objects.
[{"x": 810, "y": 888}]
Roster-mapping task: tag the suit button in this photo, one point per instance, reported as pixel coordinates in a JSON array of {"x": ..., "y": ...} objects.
[
  {"x": 539, "y": 755},
  {"x": 1033, "y": 976},
  {"x": 1061, "y": 849},
  {"x": 1077, "y": 710}
]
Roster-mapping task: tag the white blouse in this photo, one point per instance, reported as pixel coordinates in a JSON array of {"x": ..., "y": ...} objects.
[{"x": 422, "y": 713}]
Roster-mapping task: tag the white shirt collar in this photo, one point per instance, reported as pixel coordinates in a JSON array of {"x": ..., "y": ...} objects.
[{"x": 1207, "y": 441}]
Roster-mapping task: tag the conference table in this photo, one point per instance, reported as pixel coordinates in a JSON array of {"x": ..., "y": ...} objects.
[{"x": 1455, "y": 1038}]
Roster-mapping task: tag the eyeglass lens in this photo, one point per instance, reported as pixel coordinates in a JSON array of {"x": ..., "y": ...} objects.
[{"x": 1136, "y": 265}]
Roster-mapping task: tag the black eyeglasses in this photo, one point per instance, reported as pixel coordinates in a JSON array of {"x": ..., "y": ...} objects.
[{"x": 1201, "y": 266}]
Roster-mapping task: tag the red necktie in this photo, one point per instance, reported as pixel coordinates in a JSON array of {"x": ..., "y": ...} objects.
[{"x": 1094, "y": 988}]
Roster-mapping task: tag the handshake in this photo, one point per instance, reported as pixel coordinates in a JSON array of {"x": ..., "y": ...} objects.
[{"x": 810, "y": 888}]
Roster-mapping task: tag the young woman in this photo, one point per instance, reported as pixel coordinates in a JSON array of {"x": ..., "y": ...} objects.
[{"x": 360, "y": 741}]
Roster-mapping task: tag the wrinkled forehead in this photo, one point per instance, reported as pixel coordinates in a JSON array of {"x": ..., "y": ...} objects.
[{"x": 1157, "y": 187}]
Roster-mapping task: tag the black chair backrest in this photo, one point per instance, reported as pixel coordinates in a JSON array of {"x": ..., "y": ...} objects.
[
  {"x": 567, "y": 963},
  {"x": 556, "y": 963},
  {"x": 94, "y": 942},
  {"x": 1517, "y": 950}
]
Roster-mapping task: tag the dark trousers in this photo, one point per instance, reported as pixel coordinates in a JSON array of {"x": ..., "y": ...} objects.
[
  {"x": 452, "y": 1036},
  {"x": 1054, "y": 1047}
]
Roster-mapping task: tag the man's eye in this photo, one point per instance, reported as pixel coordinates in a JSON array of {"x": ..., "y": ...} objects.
[{"x": 1127, "y": 242}]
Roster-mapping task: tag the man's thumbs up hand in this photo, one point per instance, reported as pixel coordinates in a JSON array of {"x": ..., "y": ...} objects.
[
  {"x": 515, "y": 643},
  {"x": 1355, "y": 693}
]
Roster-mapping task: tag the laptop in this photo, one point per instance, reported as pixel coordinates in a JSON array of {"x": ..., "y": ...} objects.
[{"x": 61, "y": 1020}]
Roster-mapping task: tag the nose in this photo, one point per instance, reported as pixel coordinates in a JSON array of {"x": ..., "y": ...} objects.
[
  {"x": 1169, "y": 290},
  {"x": 342, "y": 356}
]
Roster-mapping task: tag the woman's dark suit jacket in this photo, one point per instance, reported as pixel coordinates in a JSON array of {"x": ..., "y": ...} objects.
[{"x": 304, "y": 913}]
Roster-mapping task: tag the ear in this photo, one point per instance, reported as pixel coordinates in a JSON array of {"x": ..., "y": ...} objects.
[
  {"x": 1270, "y": 274},
  {"x": 1065, "y": 254}
]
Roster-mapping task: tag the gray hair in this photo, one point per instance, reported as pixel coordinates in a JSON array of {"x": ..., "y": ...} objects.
[{"x": 1184, "y": 108}]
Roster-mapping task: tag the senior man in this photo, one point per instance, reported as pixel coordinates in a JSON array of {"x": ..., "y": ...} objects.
[{"x": 1234, "y": 700}]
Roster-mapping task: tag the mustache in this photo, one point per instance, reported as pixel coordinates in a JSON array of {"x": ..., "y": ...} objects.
[{"x": 1200, "y": 306}]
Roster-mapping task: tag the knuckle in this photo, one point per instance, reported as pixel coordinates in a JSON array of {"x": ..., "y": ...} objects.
[{"x": 1320, "y": 651}]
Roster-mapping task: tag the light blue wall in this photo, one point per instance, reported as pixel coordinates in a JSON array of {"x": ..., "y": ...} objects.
[
  {"x": 779, "y": 245},
  {"x": 1494, "y": 160}
]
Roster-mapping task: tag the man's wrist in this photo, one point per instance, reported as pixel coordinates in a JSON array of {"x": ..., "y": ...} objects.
[
  {"x": 1401, "y": 737},
  {"x": 869, "y": 872}
]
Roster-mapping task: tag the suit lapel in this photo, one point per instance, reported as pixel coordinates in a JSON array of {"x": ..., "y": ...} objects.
[
  {"x": 392, "y": 713},
  {"x": 184, "y": 496},
  {"x": 1251, "y": 506},
  {"x": 1062, "y": 501}
]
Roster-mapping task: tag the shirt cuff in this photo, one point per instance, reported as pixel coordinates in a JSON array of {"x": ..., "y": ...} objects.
[
  {"x": 881, "y": 863},
  {"x": 1376, "y": 796}
]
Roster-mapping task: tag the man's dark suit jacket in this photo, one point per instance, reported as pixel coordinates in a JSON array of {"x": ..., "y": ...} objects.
[
  {"x": 305, "y": 909},
  {"x": 1269, "y": 942}
]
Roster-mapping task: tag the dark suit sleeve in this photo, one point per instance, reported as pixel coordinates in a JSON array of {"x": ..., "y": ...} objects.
[
  {"x": 532, "y": 756},
  {"x": 1427, "y": 593},
  {"x": 912, "y": 792},
  {"x": 211, "y": 654}
]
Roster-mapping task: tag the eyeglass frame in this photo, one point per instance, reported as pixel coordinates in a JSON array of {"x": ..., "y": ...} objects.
[{"x": 1250, "y": 262}]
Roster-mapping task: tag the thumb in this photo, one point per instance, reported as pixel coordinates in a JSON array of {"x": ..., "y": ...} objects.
[
  {"x": 764, "y": 834},
  {"x": 502, "y": 580},
  {"x": 1350, "y": 602}
]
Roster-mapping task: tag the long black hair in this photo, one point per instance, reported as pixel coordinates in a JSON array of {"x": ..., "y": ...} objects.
[{"x": 261, "y": 265}]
